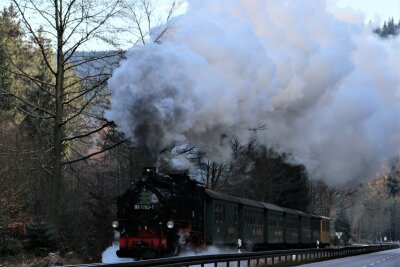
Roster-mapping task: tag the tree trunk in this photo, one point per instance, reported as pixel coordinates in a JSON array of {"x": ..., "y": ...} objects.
[{"x": 58, "y": 125}]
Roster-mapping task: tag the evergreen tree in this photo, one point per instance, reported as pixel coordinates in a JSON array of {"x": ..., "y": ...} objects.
[
  {"x": 392, "y": 180},
  {"x": 342, "y": 224},
  {"x": 42, "y": 238},
  {"x": 11, "y": 46},
  {"x": 394, "y": 231},
  {"x": 389, "y": 28}
]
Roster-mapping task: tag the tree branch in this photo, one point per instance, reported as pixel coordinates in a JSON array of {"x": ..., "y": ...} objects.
[
  {"x": 71, "y": 51},
  {"x": 89, "y": 133},
  {"x": 93, "y": 154},
  {"x": 27, "y": 103},
  {"x": 82, "y": 108}
]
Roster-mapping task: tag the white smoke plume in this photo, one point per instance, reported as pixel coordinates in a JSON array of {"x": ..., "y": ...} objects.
[
  {"x": 210, "y": 250},
  {"x": 326, "y": 88},
  {"x": 109, "y": 255}
]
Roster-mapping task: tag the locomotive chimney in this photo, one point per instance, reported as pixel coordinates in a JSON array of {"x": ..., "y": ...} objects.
[
  {"x": 147, "y": 174},
  {"x": 149, "y": 170}
]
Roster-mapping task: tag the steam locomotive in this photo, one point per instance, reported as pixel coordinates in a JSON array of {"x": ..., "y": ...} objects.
[{"x": 162, "y": 214}]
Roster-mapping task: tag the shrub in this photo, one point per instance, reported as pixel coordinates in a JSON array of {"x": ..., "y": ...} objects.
[
  {"x": 42, "y": 238},
  {"x": 10, "y": 246}
]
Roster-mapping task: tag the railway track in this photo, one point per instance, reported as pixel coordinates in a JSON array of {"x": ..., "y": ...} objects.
[{"x": 289, "y": 257}]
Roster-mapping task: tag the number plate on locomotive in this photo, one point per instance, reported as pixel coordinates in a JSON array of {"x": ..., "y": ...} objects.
[{"x": 144, "y": 207}]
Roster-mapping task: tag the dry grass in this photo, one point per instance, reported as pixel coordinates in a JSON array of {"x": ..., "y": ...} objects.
[{"x": 53, "y": 259}]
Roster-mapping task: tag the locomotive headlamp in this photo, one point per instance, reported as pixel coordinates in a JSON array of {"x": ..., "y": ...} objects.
[
  {"x": 115, "y": 224},
  {"x": 170, "y": 224}
]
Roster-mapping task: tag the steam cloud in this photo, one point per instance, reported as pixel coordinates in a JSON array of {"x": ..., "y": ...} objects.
[
  {"x": 109, "y": 255},
  {"x": 326, "y": 88}
]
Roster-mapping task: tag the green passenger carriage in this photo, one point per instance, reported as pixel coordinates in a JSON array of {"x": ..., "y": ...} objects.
[{"x": 260, "y": 225}]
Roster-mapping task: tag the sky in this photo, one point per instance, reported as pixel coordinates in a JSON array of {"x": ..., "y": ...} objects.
[{"x": 374, "y": 10}]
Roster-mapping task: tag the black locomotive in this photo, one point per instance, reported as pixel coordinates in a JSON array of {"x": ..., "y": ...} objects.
[
  {"x": 159, "y": 215},
  {"x": 162, "y": 214}
]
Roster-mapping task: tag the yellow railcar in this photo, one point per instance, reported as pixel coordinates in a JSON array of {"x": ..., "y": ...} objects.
[{"x": 325, "y": 231}]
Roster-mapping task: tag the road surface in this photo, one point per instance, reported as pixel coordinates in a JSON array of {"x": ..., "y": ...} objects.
[{"x": 387, "y": 258}]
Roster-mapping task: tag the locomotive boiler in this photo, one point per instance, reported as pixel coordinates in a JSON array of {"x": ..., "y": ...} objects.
[{"x": 162, "y": 214}]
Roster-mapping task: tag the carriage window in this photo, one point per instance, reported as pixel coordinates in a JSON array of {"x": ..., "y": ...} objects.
[
  {"x": 216, "y": 213},
  {"x": 250, "y": 217},
  {"x": 250, "y": 221},
  {"x": 258, "y": 219},
  {"x": 235, "y": 215},
  {"x": 273, "y": 221},
  {"x": 219, "y": 213}
]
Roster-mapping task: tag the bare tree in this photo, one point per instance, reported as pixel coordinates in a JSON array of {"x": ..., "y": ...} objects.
[
  {"x": 148, "y": 20},
  {"x": 213, "y": 174},
  {"x": 322, "y": 198},
  {"x": 69, "y": 25}
]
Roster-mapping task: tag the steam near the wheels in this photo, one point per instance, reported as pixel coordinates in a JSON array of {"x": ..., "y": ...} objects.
[{"x": 327, "y": 89}]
